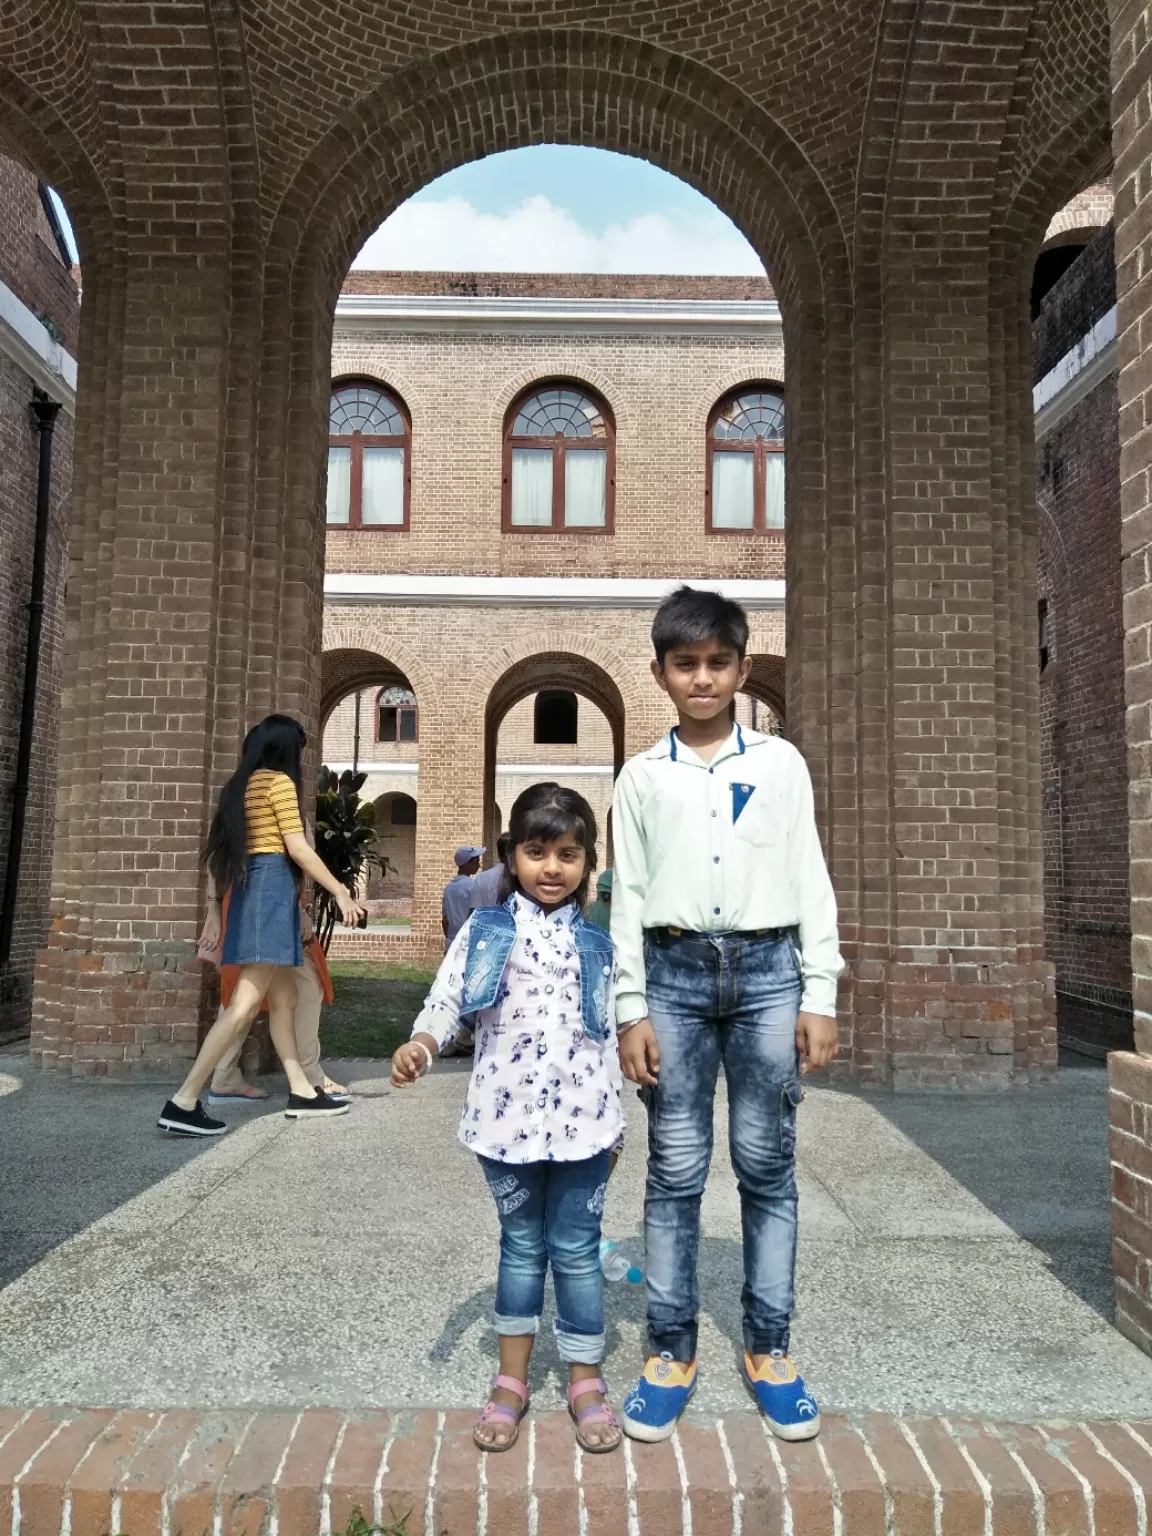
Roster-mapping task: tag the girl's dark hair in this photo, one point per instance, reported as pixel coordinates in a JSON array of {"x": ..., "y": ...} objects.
[
  {"x": 275, "y": 743},
  {"x": 540, "y": 815}
]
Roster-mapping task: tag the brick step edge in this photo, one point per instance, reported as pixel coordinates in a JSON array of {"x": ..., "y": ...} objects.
[{"x": 101, "y": 1472}]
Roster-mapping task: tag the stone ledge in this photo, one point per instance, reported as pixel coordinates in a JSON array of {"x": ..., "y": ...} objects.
[{"x": 72, "y": 1472}]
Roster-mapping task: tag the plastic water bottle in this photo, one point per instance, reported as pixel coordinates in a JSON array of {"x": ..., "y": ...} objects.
[{"x": 615, "y": 1264}]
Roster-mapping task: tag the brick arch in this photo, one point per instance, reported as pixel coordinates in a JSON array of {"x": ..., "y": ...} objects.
[
  {"x": 347, "y": 670},
  {"x": 568, "y": 365},
  {"x": 350, "y": 635},
  {"x": 561, "y": 668},
  {"x": 766, "y": 683},
  {"x": 599, "y": 666},
  {"x": 554, "y": 86}
]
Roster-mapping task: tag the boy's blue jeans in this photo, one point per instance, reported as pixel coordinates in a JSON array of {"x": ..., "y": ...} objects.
[
  {"x": 551, "y": 1212},
  {"x": 730, "y": 998}
]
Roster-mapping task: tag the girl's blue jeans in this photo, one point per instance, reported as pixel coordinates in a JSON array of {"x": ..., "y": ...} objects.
[
  {"x": 733, "y": 999},
  {"x": 550, "y": 1214}
]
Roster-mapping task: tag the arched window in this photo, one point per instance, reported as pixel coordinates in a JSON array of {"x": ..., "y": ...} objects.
[
  {"x": 745, "y": 488},
  {"x": 559, "y": 462},
  {"x": 555, "y": 718},
  {"x": 368, "y": 472},
  {"x": 396, "y": 717}
]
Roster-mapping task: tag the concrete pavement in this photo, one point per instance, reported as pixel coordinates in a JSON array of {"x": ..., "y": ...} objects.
[{"x": 954, "y": 1255}]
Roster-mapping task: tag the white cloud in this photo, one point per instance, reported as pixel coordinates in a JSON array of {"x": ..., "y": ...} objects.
[{"x": 452, "y": 235}]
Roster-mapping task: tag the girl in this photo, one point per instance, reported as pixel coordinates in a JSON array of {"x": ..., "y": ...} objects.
[
  {"x": 543, "y": 1106},
  {"x": 256, "y": 850}
]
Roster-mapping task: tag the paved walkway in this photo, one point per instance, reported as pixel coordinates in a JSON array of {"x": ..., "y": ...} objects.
[{"x": 954, "y": 1257}]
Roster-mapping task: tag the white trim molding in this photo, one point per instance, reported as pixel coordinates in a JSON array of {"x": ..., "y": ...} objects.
[
  {"x": 1077, "y": 373},
  {"x": 26, "y": 341},
  {"x": 353, "y": 588},
  {"x": 435, "y": 312}
]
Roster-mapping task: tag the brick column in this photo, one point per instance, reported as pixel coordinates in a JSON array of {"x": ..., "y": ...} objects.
[
  {"x": 118, "y": 987},
  {"x": 1130, "y": 1075}
]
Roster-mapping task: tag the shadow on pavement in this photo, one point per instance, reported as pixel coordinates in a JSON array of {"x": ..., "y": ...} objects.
[
  {"x": 70, "y": 1152},
  {"x": 1036, "y": 1157}
]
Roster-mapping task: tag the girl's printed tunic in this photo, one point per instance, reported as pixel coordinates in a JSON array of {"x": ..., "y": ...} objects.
[{"x": 542, "y": 1089}]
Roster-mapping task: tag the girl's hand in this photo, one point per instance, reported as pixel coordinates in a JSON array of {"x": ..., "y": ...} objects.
[
  {"x": 209, "y": 940},
  {"x": 350, "y": 909},
  {"x": 408, "y": 1062},
  {"x": 639, "y": 1054}
]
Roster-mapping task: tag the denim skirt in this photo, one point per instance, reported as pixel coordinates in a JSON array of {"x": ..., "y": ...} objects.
[{"x": 264, "y": 915}]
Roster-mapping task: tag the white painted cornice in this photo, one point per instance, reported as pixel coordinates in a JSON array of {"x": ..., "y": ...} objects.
[
  {"x": 350, "y": 588},
  {"x": 25, "y": 340},
  {"x": 371, "y": 311},
  {"x": 1077, "y": 373}
]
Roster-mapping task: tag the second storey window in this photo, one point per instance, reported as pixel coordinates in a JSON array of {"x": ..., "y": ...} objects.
[
  {"x": 368, "y": 473},
  {"x": 746, "y": 463},
  {"x": 396, "y": 715},
  {"x": 559, "y": 462}
]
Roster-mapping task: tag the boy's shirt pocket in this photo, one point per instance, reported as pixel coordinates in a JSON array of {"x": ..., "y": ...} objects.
[{"x": 755, "y": 813}]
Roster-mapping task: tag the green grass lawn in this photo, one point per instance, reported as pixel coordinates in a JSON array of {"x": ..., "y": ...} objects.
[{"x": 376, "y": 1002}]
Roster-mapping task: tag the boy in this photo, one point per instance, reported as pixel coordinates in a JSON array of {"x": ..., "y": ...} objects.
[{"x": 724, "y": 926}]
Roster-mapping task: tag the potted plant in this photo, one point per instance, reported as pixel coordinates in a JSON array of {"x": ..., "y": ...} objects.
[{"x": 346, "y": 840}]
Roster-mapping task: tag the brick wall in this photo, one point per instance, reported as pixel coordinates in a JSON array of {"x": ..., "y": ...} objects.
[
  {"x": 31, "y": 265},
  {"x": 557, "y": 285},
  {"x": 459, "y": 382},
  {"x": 1084, "y": 771}
]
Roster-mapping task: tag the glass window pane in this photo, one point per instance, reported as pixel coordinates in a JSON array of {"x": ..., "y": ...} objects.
[
  {"x": 531, "y": 487},
  {"x": 585, "y": 480},
  {"x": 774, "y": 489},
  {"x": 382, "y": 497},
  {"x": 339, "y": 480},
  {"x": 732, "y": 505},
  {"x": 407, "y": 725}
]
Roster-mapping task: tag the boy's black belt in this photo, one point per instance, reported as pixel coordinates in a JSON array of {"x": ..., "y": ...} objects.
[{"x": 663, "y": 934}]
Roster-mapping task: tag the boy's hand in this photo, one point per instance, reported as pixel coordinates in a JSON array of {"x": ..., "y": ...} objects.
[
  {"x": 639, "y": 1054},
  {"x": 817, "y": 1041},
  {"x": 408, "y": 1063}
]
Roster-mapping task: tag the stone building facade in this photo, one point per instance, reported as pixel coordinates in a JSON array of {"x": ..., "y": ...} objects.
[
  {"x": 494, "y": 644},
  {"x": 39, "y": 320}
]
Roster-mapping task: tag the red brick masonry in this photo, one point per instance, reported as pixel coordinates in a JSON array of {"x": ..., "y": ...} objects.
[{"x": 66, "y": 1472}]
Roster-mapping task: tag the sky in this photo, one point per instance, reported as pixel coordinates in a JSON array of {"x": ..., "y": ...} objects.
[{"x": 557, "y": 208}]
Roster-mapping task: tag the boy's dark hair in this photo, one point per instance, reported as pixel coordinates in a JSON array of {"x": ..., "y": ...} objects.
[
  {"x": 543, "y": 813},
  {"x": 690, "y": 615}
]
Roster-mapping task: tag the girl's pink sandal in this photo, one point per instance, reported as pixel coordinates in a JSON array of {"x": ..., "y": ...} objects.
[
  {"x": 500, "y": 1416},
  {"x": 594, "y": 1416}
]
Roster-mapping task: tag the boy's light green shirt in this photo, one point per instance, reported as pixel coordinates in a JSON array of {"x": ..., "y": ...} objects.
[{"x": 711, "y": 847}]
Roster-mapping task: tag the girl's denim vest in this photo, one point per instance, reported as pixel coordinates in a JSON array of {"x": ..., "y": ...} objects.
[{"x": 490, "y": 941}]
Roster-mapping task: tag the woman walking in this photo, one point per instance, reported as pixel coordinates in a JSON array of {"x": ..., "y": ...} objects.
[{"x": 257, "y": 851}]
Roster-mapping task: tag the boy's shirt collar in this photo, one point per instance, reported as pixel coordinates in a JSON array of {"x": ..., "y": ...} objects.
[{"x": 735, "y": 745}]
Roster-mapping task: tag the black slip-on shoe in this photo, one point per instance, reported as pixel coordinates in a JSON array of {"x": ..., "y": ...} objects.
[
  {"x": 189, "y": 1122},
  {"x": 319, "y": 1108}
]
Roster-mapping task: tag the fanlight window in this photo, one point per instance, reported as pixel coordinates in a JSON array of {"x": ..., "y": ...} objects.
[
  {"x": 746, "y": 463},
  {"x": 396, "y": 716},
  {"x": 368, "y": 472},
  {"x": 559, "y": 462}
]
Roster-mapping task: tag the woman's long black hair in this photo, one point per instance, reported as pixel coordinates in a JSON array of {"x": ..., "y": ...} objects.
[
  {"x": 543, "y": 813},
  {"x": 276, "y": 743}
]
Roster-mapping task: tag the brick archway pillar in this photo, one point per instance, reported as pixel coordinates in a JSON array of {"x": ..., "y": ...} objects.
[{"x": 1130, "y": 1074}]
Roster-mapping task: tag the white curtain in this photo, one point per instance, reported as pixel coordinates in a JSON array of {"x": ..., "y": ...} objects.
[
  {"x": 531, "y": 487},
  {"x": 585, "y": 484},
  {"x": 732, "y": 505},
  {"x": 774, "y": 489},
  {"x": 382, "y": 494},
  {"x": 339, "y": 483}
]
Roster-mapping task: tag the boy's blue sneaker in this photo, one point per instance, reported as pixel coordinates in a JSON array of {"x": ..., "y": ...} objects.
[
  {"x": 658, "y": 1399},
  {"x": 782, "y": 1397}
]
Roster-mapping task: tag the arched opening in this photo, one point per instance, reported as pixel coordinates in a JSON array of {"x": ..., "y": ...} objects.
[
  {"x": 371, "y": 725},
  {"x": 586, "y": 760},
  {"x": 761, "y": 703},
  {"x": 555, "y": 718}
]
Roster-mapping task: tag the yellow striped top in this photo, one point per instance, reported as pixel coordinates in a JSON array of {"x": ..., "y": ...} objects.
[{"x": 271, "y": 811}]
